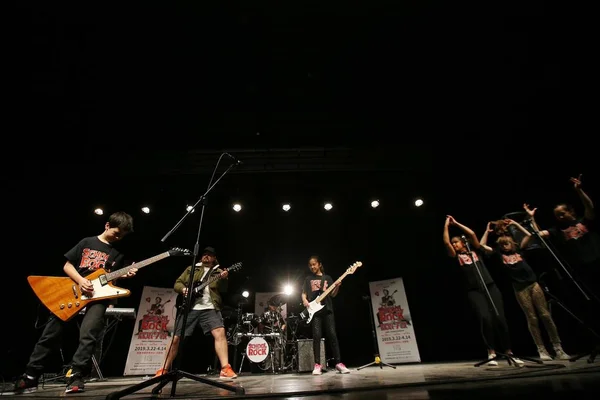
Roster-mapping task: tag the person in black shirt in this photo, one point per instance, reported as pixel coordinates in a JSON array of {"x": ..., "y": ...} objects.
[
  {"x": 578, "y": 243},
  {"x": 90, "y": 254},
  {"x": 315, "y": 284},
  {"x": 528, "y": 292},
  {"x": 494, "y": 328}
]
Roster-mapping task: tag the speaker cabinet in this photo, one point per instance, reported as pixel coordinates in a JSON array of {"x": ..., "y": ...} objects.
[{"x": 306, "y": 359}]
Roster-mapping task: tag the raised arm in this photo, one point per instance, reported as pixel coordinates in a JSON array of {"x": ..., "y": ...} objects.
[
  {"x": 527, "y": 238},
  {"x": 484, "y": 238},
  {"x": 534, "y": 225},
  {"x": 588, "y": 204},
  {"x": 469, "y": 232},
  {"x": 446, "y": 236}
]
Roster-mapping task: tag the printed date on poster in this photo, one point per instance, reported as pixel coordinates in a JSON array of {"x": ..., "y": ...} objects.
[
  {"x": 395, "y": 337},
  {"x": 150, "y": 348}
]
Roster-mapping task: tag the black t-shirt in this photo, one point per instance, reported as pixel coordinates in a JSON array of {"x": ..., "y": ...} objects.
[
  {"x": 470, "y": 274},
  {"x": 91, "y": 254},
  {"x": 519, "y": 271},
  {"x": 312, "y": 288},
  {"x": 580, "y": 241}
]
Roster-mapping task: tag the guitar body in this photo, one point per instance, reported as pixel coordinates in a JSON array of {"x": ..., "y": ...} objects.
[
  {"x": 308, "y": 313},
  {"x": 63, "y": 297}
]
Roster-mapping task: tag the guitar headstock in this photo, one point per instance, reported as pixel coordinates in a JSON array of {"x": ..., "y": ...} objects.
[
  {"x": 177, "y": 251},
  {"x": 235, "y": 267},
  {"x": 354, "y": 267}
]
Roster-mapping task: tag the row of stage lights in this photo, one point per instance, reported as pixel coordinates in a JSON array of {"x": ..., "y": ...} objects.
[{"x": 237, "y": 207}]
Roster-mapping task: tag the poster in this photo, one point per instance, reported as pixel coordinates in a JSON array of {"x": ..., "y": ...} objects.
[
  {"x": 153, "y": 331},
  {"x": 393, "y": 324}
]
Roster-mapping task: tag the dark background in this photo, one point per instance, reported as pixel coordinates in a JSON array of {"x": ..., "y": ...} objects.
[{"x": 477, "y": 108}]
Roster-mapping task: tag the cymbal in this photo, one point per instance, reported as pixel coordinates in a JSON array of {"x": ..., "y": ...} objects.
[{"x": 278, "y": 300}]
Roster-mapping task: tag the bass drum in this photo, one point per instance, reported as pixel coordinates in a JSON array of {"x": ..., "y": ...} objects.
[{"x": 257, "y": 350}]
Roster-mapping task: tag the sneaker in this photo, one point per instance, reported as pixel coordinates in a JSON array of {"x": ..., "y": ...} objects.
[
  {"x": 544, "y": 356},
  {"x": 561, "y": 355},
  {"x": 492, "y": 363},
  {"x": 516, "y": 360},
  {"x": 25, "y": 384},
  {"x": 160, "y": 372},
  {"x": 227, "y": 372},
  {"x": 317, "y": 370},
  {"x": 75, "y": 384},
  {"x": 342, "y": 368}
]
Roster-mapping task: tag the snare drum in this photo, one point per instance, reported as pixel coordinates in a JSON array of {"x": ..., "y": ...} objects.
[{"x": 257, "y": 350}]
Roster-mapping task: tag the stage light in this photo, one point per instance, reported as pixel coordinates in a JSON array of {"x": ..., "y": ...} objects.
[
  {"x": 98, "y": 211},
  {"x": 188, "y": 208},
  {"x": 288, "y": 289},
  {"x": 245, "y": 293},
  {"x": 146, "y": 210},
  {"x": 328, "y": 206},
  {"x": 286, "y": 207},
  {"x": 418, "y": 202},
  {"x": 375, "y": 203},
  {"x": 237, "y": 207}
]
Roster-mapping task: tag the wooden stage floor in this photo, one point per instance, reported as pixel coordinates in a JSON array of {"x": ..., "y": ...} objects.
[{"x": 555, "y": 379}]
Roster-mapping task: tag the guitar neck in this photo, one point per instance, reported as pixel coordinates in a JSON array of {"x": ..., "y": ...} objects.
[
  {"x": 123, "y": 271},
  {"x": 210, "y": 280},
  {"x": 330, "y": 288}
]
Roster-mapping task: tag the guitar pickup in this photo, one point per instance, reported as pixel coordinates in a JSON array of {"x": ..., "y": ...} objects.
[
  {"x": 74, "y": 287},
  {"x": 102, "y": 279}
]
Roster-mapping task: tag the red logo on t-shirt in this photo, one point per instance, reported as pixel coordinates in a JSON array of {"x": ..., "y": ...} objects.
[
  {"x": 464, "y": 258},
  {"x": 93, "y": 259},
  {"x": 575, "y": 232}
]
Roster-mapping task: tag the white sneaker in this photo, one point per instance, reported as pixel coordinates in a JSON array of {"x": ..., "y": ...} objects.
[
  {"x": 493, "y": 363},
  {"x": 317, "y": 370},
  {"x": 516, "y": 360},
  {"x": 561, "y": 355},
  {"x": 342, "y": 368},
  {"x": 544, "y": 356}
]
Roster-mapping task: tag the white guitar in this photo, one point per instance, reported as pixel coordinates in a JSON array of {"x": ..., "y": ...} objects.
[{"x": 315, "y": 306}]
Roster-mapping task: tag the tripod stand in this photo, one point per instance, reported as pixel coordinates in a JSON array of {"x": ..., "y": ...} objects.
[
  {"x": 176, "y": 374},
  {"x": 509, "y": 357},
  {"x": 592, "y": 353},
  {"x": 377, "y": 360}
]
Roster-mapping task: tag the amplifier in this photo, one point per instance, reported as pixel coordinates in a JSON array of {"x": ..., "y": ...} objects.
[{"x": 306, "y": 359}]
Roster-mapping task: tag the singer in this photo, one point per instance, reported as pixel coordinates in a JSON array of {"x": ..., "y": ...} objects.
[
  {"x": 578, "y": 240},
  {"x": 494, "y": 328},
  {"x": 528, "y": 292}
]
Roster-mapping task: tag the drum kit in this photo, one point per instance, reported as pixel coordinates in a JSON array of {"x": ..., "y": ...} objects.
[{"x": 267, "y": 338}]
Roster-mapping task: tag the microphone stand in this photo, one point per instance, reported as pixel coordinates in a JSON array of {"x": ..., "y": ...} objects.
[
  {"x": 509, "y": 357},
  {"x": 592, "y": 353},
  {"x": 377, "y": 360},
  {"x": 175, "y": 374}
]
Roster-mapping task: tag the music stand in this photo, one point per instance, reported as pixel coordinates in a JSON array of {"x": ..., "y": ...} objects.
[
  {"x": 176, "y": 374},
  {"x": 377, "y": 360}
]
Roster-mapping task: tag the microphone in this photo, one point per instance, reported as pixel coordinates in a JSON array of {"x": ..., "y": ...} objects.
[
  {"x": 464, "y": 239},
  {"x": 234, "y": 158}
]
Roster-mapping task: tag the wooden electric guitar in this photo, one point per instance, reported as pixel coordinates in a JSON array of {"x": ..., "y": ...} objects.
[
  {"x": 64, "y": 298},
  {"x": 199, "y": 286},
  {"x": 315, "y": 306}
]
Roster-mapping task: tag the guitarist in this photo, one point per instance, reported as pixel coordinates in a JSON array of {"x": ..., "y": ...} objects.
[
  {"x": 204, "y": 311},
  {"x": 87, "y": 256},
  {"x": 315, "y": 284}
]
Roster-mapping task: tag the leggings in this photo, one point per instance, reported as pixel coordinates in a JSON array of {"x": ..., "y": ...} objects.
[
  {"x": 325, "y": 321},
  {"x": 494, "y": 329},
  {"x": 531, "y": 299}
]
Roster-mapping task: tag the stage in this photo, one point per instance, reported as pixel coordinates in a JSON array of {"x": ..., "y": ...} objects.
[{"x": 552, "y": 379}]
